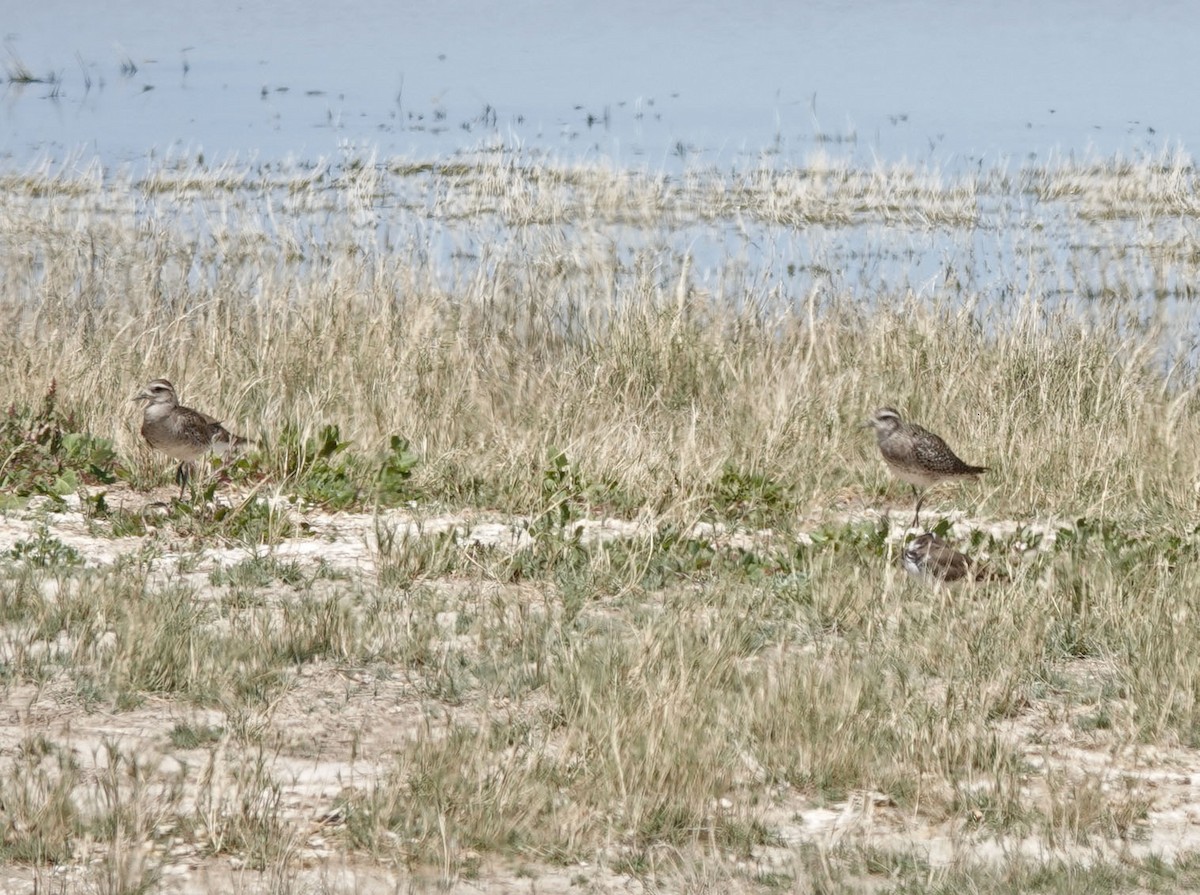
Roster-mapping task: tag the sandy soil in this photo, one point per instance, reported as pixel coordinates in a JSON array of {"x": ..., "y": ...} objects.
[{"x": 333, "y": 729}]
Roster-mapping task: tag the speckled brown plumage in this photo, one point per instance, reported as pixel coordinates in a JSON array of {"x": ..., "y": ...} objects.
[
  {"x": 915, "y": 455},
  {"x": 181, "y": 432},
  {"x": 931, "y": 559}
]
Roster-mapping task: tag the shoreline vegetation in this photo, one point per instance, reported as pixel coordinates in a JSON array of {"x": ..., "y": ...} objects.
[{"x": 741, "y": 691}]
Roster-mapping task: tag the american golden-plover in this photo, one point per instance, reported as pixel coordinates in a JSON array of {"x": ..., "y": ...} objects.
[
  {"x": 931, "y": 559},
  {"x": 181, "y": 432},
  {"x": 917, "y": 456}
]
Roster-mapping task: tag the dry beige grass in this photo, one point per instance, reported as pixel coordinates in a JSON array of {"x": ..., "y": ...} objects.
[{"x": 730, "y": 687}]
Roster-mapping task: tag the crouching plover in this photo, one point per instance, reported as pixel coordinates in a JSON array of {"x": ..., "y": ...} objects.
[{"x": 931, "y": 559}]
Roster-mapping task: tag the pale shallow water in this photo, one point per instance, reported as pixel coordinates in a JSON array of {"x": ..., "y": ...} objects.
[
  {"x": 650, "y": 85},
  {"x": 961, "y": 87}
]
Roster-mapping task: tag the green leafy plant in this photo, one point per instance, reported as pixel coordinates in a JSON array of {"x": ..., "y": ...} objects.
[
  {"x": 561, "y": 487},
  {"x": 320, "y": 468},
  {"x": 747, "y": 494},
  {"x": 45, "y": 551},
  {"x": 395, "y": 473},
  {"x": 567, "y": 493},
  {"x": 42, "y": 451}
]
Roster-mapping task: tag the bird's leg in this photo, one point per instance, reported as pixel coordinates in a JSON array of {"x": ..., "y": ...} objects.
[
  {"x": 181, "y": 476},
  {"x": 916, "y": 523}
]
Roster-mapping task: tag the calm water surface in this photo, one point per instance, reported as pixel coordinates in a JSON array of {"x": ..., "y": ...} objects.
[{"x": 646, "y": 84}]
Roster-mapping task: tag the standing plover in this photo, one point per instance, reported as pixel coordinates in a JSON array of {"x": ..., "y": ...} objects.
[
  {"x": 917, "y": 456},
  {"x": 931, "y": 559},
  {"x": 181, "y": 432}
]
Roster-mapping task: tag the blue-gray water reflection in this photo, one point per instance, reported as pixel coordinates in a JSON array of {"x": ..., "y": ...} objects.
[{"x": 649, "y": 85}]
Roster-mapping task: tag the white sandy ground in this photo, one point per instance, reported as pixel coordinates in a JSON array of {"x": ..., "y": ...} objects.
[
  {"x": 335, "y": 728},
  {"x": 350, "y": 541}
]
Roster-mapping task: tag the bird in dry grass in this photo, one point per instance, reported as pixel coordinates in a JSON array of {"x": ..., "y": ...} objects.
[
  {"x": 181, "y": 432},
  {"x": 931, "y": 559},
  {"x": 917, "y": 456}
]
